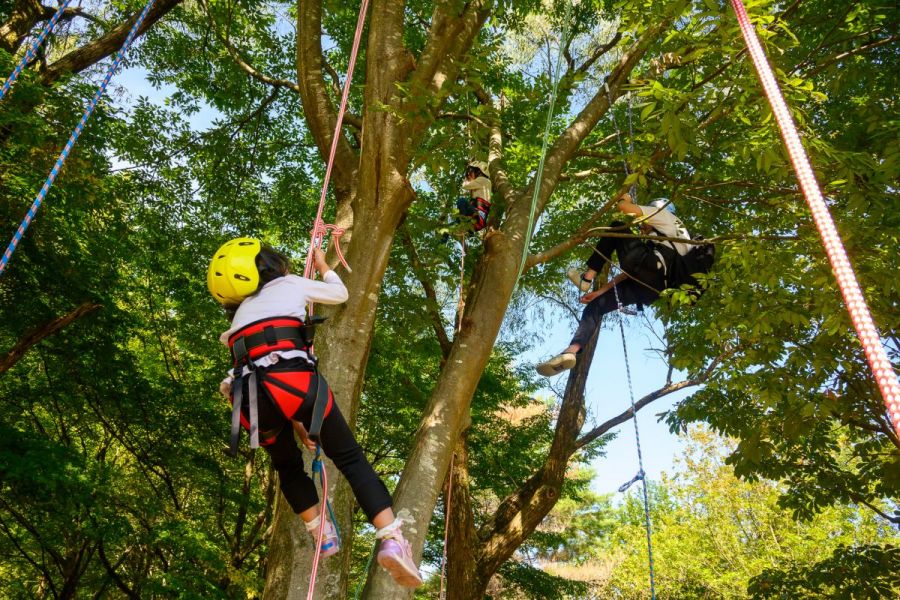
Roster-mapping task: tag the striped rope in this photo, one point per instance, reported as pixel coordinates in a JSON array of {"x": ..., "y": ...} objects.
[
  {"x": 32, "y": 50},
  {"x": 29, "y": 216},
  {"x": 641, "y": 476},
  {"x": 831, "y": 239}
]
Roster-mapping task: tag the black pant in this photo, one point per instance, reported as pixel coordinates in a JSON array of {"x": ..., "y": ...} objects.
[
  {"x": 637, "y": 259},
  {"x": 337, "y": 443}
]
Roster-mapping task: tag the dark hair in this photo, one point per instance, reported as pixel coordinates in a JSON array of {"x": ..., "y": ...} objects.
[
  {"x": 473, "y": 170},
  {"x": 271, "y": 264}
]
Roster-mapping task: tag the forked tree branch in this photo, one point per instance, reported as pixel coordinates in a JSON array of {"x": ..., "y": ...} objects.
[
  {"x": 106, "y": 45},
  {"x": 318, "y": 110}
]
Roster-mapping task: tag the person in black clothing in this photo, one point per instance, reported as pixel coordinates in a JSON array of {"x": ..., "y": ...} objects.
[{"x": 644, "y": 265}]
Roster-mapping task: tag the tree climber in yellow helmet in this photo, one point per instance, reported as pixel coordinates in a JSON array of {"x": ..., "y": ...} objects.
[{"x": 274, "y": 367}]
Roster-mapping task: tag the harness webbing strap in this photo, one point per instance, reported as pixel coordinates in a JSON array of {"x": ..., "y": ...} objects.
[
  {"x": 254, "y": 412},
  {"x": 318, "y": 389},
  {"x": 237, "y": 398},
  {"x": 270, "y": 336}
]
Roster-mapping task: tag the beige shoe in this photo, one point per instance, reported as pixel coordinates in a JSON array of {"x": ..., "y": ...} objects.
[
  {"x": 577, "y": 277},
  {"x": 557, "y": 364}
]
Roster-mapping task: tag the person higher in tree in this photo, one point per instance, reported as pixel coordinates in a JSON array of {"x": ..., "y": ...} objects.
[
  {"x": 274, "y": 367},
  {"x": 477, "y": 204},
  {"x": 648, "y": 266}
]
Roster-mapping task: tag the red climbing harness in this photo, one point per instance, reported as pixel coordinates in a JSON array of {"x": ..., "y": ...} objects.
[{"x": 288, "y": 387}]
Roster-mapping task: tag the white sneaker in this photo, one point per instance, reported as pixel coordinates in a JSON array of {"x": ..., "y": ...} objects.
[
  {"x": 557, "y": 364},
  {"x": 577, "y": 277}
]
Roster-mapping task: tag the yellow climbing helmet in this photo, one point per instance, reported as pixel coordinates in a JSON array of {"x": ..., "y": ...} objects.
[{"x": 232, "y": 274}]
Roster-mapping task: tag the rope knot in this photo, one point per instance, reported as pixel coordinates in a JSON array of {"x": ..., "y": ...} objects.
[{"x": 320, "y": 230}]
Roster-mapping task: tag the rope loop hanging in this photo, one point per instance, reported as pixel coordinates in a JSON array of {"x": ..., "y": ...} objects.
[
  {"x": 641, "y": 474},
  {"x": 36, "y": 204}
]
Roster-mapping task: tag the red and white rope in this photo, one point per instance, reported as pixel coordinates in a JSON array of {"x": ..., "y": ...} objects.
[{"x": 840, "y": 264}]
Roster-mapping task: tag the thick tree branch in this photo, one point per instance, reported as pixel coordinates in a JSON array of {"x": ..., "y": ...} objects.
[
  {"x": 24, "y": 16},
  {"x": 37, "y": 336},
  {"x": 522, "y": 511},
  {"x": 96, "y": 50},
  {"x": 581, "y": 234},
  {"x": 437, "y": 323},
  {"x": 669, "y": 388}
]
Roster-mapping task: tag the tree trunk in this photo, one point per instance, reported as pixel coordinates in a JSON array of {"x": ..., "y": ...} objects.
[
  {"x": 463, "y": 548},
  {"x": 383, "y": 195}
]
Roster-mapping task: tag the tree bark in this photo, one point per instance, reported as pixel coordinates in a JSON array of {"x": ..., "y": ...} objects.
[
  {"x": 375, "y": 191},
  {"x": 463, "y": 547}
]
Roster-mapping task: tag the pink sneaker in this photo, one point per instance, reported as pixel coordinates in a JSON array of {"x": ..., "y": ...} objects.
[
  {"x": 395, "y": 555},
  {"x": 330, "y": 542}
]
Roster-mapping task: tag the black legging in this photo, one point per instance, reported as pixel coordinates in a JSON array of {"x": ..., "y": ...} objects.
[
  {"x": 636, "y": 258},
  {"x": 337, "y": 443}
]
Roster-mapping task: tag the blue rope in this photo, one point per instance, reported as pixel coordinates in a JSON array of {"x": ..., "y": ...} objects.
[
  {"x": 317, "y": 467},
  {"x": 17, "y": 237},
  {"x": 641, "y": 476},
  {"x": 32, "y": 50}
]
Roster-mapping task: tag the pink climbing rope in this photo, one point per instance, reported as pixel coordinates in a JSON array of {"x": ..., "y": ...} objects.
[
  {"x": 317, "y": 237},
  {"x": 840, "y": 264},
  {"x": 323, "y": 517}
]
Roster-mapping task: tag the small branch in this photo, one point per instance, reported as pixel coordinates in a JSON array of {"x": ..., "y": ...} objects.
[
  {"x": 648, "y": 399},
  {"x": 602, "y": 232},
  {"x": 463, "y": 117},
  {"x": 839, "y": 57},
  {"x": 436, "y": 322},
  {"x": 43, "y": 332},
  {"x": 599, "y": 52}
]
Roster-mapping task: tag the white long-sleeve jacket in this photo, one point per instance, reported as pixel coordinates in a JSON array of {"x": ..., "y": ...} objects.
[{"x": 285, "y": 297}]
